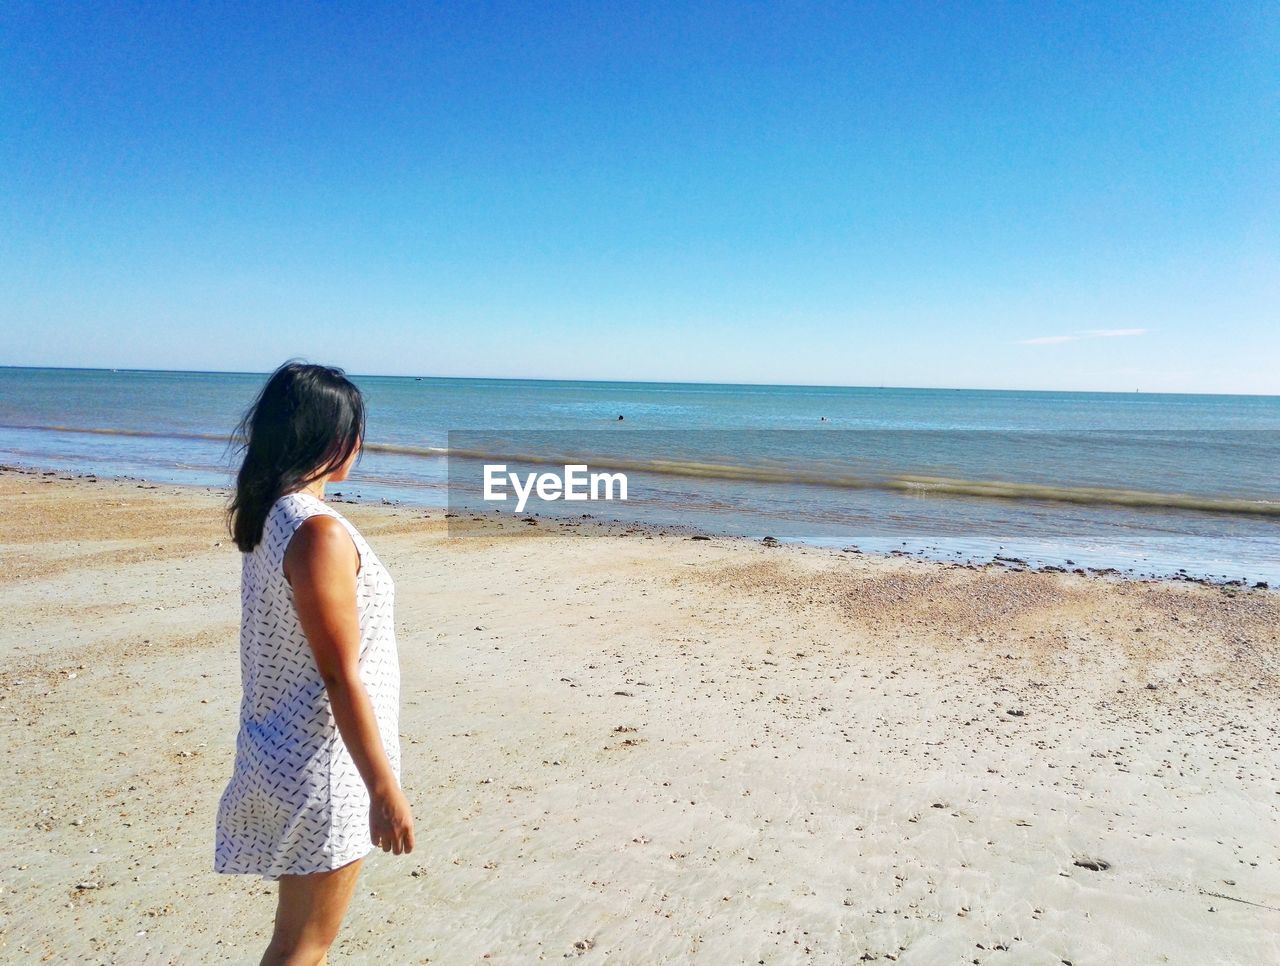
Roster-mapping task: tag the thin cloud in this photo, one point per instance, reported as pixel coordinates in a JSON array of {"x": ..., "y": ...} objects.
[{"x": 1087, "y": 334}]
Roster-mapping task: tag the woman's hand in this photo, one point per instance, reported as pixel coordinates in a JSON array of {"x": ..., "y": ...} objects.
[{"x": 390, "y": 821}]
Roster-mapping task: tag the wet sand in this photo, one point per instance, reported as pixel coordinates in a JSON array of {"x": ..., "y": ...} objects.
[{"x": 627, "y": 747}]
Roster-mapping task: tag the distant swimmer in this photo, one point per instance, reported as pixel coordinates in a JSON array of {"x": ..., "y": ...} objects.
[
  {"x": 619, "y": 417},
  {"x": 822, "y": 419}
]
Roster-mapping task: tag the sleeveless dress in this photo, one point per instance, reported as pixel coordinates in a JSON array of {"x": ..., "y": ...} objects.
[{"x": 296, "y": 803}]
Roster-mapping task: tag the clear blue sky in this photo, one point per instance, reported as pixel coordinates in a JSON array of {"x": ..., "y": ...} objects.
[{"x": 1021, "y": 195}]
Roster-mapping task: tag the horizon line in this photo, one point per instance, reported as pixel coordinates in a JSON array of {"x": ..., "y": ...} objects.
[{"x": 662, "y": 382}]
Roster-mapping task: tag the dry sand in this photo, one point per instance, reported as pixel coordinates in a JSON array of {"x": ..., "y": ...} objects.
[{"x": 635, "y": 748}]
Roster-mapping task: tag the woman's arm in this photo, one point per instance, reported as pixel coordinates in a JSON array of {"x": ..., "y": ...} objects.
[{"x": 321, "y": 565}]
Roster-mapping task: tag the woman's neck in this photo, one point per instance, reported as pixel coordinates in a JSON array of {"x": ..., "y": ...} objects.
[{"x": 316, "y": 488}]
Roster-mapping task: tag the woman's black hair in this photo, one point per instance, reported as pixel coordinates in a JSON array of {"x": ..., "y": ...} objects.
[{"x": 306, "y": 422}]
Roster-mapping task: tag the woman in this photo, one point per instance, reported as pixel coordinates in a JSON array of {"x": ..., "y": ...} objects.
[{"x": 316, "y": 781}]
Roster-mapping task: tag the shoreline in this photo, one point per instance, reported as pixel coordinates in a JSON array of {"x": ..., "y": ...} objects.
[
  {"x": 1008, "y": 562},
  {"x": 637, "y": 748}
]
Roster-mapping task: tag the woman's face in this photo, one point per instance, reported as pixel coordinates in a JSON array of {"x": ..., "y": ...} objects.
[{"x": 344, "y": 470}]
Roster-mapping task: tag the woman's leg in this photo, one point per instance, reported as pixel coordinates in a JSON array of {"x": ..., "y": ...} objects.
[{"x": 309, "y": 915}]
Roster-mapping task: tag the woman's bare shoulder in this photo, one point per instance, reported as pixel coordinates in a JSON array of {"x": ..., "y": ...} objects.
[{"x": 320, "y": 543}]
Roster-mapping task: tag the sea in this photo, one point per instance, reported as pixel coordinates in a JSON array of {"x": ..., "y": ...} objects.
[{"x": 1143, "y": 484}]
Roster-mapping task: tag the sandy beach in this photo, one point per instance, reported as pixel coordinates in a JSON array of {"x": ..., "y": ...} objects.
[{"x": 633, "y": 747}]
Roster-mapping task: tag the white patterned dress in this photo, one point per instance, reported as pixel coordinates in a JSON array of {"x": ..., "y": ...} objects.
[{"x": 296, "y": 803}]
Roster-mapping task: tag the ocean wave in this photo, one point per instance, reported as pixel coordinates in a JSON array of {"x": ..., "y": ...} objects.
[{"x": 909, "y": 484}]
